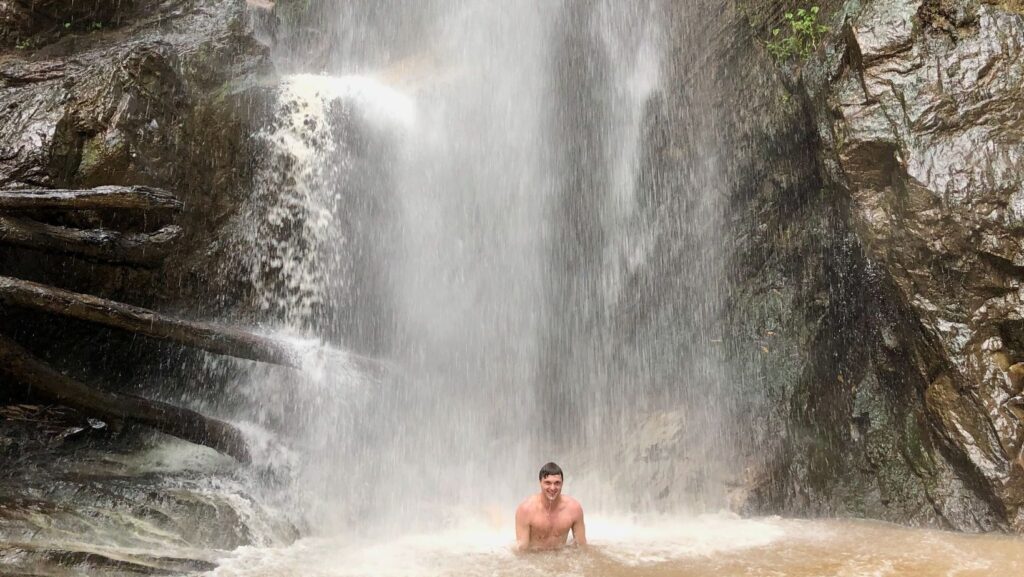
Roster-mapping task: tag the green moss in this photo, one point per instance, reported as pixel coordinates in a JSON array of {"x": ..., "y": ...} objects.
[
  {"x": 103, "y": 159},
  {"x": 28, "y": 43},
  {"x": 917, "y": 448}
]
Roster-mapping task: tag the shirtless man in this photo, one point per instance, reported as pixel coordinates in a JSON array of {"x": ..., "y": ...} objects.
[{"x": 543, "y": 520}]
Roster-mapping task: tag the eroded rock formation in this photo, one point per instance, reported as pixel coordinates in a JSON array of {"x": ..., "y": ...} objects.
[
  {"x": 925, "y": 134},
  {"x": 908, "y": 407},
  {"x": 149, "y": 95}
]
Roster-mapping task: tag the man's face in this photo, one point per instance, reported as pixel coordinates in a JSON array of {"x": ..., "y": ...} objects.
[{"x": 551, "y": 487}]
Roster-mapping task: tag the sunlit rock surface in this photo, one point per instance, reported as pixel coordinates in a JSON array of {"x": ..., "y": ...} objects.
[
  {"x": 874, "y": 308},
  {"x": 929, "y": 141},
  {"x": 918, "y": 108}
]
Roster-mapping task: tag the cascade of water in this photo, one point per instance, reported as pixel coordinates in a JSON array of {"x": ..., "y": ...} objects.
[
  {"x": 469, "y": 197},
  {"x": 312, "y": 228}
]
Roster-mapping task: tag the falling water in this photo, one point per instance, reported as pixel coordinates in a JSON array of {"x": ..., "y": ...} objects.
[{"x": 463, "y": 199}]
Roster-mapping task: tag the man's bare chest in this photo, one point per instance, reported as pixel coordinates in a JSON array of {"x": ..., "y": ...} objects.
[{"x": 550, "y": 524}]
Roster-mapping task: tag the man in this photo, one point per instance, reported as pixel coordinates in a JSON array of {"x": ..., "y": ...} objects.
[{"x": 543, "y": 520}]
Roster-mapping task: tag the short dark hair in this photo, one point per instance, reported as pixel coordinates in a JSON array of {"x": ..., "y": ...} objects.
[{"x": 551, "y": 469}]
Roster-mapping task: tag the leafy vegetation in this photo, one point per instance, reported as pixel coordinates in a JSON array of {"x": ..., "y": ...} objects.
[{"x": 798, "y": 41}]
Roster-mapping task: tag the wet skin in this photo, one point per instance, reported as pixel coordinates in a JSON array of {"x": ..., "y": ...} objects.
[{"x": 543, "y": 521}]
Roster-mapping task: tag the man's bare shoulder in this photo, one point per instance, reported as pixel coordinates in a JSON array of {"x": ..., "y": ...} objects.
[
  {"x": 528, "y": 505},
  {"x": 572, "y": 505}
]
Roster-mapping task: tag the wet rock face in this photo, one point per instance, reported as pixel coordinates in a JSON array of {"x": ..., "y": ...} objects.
[
  {"x": 875, "y": 303},
  {"x": 166, "y": 96},
  {"x": 155, "y": 92},
  {"x": 140, "y": 504},
  {"x": 21, "y": 21},
  {"x": 922, "y": 125}
]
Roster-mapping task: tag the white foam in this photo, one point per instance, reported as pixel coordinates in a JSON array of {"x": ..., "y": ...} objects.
[
  {"x": 478, "y": 547},
  {"x": 172, "y": 455},
  {"x": 644, "y": 541},
  {"x": 293, "y": 273},
  {"x": 382, "y": 104}
]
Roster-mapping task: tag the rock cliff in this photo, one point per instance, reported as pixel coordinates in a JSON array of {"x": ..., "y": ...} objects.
[
  {"x": 908, "y": 405},
  {"x": 158, "y": 93}
]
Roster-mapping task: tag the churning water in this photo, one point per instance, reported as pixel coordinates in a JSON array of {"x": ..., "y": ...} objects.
[{"x": 652, "y": 547}]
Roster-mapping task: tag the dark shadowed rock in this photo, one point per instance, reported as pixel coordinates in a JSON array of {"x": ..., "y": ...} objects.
[
  {"x": 168, "y": 98},
  {"x": 26, "y": 24},
  {"x": 157, "y": 93}
]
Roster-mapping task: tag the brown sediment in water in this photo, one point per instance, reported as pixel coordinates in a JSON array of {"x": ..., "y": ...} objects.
[{"x": 689, "y": 548}]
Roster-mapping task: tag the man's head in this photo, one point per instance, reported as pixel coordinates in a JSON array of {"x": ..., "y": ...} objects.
[{"x": 551, "y": 478}]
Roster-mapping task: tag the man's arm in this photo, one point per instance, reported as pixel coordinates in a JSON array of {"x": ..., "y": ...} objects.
[
  {"x": 579, "y": 530},
  {"x": 522, "y": 529}
]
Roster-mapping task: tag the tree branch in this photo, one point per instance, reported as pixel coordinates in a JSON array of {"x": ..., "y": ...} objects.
[
  {"x": 45, "y": 382},
  {"x": 139, "y": 249},
  {"x": 209, "y": 337},
  {"x": 142, "y": 198}
]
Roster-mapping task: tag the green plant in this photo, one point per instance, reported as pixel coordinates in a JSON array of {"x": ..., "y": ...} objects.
[{"x": 799, "y": 40}]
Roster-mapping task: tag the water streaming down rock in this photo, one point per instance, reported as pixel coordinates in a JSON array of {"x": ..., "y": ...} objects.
[
  {"x": 634, "y": 367},
  {"x": 317, "y": 225},
  {"x": 316, "y": 239},
  {"x": 476, "y": 199}
]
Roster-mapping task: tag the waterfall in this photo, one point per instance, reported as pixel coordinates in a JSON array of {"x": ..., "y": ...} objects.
[{"x": 463, "y": 189}]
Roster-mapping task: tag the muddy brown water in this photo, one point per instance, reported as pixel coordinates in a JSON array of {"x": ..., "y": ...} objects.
[{"x": 722, "y": 546}]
